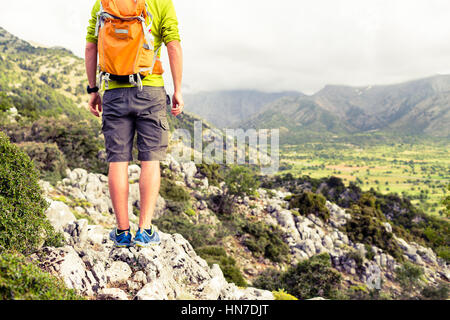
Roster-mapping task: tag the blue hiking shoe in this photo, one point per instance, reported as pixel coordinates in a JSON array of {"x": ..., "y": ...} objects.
[
  {"x": 144, "y": 239},
  {"x": 121, "y": 240}
]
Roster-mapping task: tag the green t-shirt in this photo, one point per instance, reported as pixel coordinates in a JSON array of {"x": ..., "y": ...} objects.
[{"x": 164, "y": 29}]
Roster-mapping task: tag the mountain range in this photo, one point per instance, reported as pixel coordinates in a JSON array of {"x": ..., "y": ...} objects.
[{"x": 419, "y": 107}]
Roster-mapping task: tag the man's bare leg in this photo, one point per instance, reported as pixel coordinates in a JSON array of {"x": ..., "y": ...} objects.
[
  {"x": 118, "y": 190},
  {"x": 149, "y": 183}
]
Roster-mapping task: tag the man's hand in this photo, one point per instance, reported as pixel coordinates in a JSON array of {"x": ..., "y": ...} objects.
[
  {"x": 177, "y": 104},
  {"x": 95, "y": 103}
]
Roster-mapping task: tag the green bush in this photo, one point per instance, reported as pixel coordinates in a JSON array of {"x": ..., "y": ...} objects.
[
  {"x": 171, "y": 191},
  {"x": 310, "y": 203},
  {"x": 198, "y": 235},
  {"x": 443, "y": 252},
  {"x": 446, "y": 203},
  {"x": 355, "y": 256},
  {"x": 439, "y": 292},
  {"x": 409, "y": 276},
  {"x": 365, "y": 226},
  {"x": 5, "y": 102},
  {"x": 23, "y": 224},
  {"x": 370, "y": 254},
  {"x": 265, "y": 240},
  {"x": 241, "y": 181},
  {"x": 20, "y": 280},
  {"x": 221, "y": 204},
  {"x": 308, "y": 279},
  {"x": 190, "y": 212},
  {"x": 48, "y": 159},
  {"x": 212, "y": 172},
  {"x": 270, "y": 279},
  {"x": 218, "y": 255}
]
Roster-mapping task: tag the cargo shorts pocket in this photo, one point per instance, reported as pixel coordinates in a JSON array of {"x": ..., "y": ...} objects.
[
  {"x": 164, "y": 124},
  {"x": 113, "y": 142}
]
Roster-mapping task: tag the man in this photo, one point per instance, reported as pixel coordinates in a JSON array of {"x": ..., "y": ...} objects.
[{"x": 127, "y": 109}]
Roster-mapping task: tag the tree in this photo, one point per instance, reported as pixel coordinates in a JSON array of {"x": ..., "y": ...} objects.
[
  {"x": 241, "y": 181},
  {"x": 446, "y": 203}
]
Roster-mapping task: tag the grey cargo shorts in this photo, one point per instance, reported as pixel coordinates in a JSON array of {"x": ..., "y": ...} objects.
[{"x": 128, "y": 110}]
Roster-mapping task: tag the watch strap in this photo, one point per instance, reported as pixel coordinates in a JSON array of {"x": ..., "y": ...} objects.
[{"x": 91, "y": 90}]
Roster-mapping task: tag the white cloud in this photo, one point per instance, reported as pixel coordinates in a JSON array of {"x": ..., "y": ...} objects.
[{"x": 274, "y": 45}]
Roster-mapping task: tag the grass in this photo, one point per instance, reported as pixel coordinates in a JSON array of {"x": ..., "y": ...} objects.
[{"x": 419, "y": 171}]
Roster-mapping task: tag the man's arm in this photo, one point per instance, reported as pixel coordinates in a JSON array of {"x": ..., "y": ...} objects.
[
  {"x": 176, "y": 67},
  {"x": 95, "y": 101}
]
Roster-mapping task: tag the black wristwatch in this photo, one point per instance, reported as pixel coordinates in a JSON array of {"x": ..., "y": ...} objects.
[{"x": 91, "y": 90}]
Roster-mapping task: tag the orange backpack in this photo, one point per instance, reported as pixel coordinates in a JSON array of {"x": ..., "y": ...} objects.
[{"x": 125, "y": 42}]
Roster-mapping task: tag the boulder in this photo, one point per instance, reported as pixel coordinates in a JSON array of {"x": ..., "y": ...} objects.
[
  {"x": 189, "y": 169},
  {"x": 112, "y": 294},
  {"x": 59, "y": 215},
  {"x": 118, "y": 272},
  {"x": 152, "y": 291}
]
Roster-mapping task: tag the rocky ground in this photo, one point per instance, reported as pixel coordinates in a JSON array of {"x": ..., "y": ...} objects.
[{"x": 173, "y": 270}]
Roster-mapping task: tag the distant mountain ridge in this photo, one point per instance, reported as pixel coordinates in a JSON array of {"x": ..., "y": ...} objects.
[
  {"x": 228, "y": 108},
  {"x": 420, "y": 107}
]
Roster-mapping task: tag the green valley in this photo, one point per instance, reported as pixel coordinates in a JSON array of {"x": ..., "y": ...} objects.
[{"x": 419, "y": 171}]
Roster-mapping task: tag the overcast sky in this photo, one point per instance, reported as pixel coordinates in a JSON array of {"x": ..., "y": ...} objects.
[{"x": 274, "y": 45}]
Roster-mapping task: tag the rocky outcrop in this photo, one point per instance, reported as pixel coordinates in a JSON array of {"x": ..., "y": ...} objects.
[
  {"x": 308, "y": 236},
  {"x": 171, "y": 270}
]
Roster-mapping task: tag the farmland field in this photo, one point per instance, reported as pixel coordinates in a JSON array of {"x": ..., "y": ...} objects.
[{"x": 420, "y": 172}]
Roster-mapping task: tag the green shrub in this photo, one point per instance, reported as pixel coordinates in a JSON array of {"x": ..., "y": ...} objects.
[
  {"x": 443, "y": 252},
  {"x": 308, "y": 279},
  {"x": 198, "y": 235},
  {"x": 212, "y": 172},
  {"x": 171, "y": 191},
  {"x": 270, "y": 279},
  {"x": 5, "y": 102},
  {"x": 310, "y": 203},
  {"x": 408, "y": 275},
  {"x": 439, "y": 292},
  {"x": 23, "y": 224},
  {"x": 218, "y": 255},
  {"x": 366, "y": 227},
  {"x": 241, "y": 181},
  {"x": 446, "y": 203},
  {"x": 223, "y": 205},
  {"x": 20, "y": 280},
  {"x": 47, "y": 158},
  {"x": 265, "y": 240},
  {"x": 355, "y": 256},
  {"x": 190, "y": 212},
  {"x": 370, "y": 254}
]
